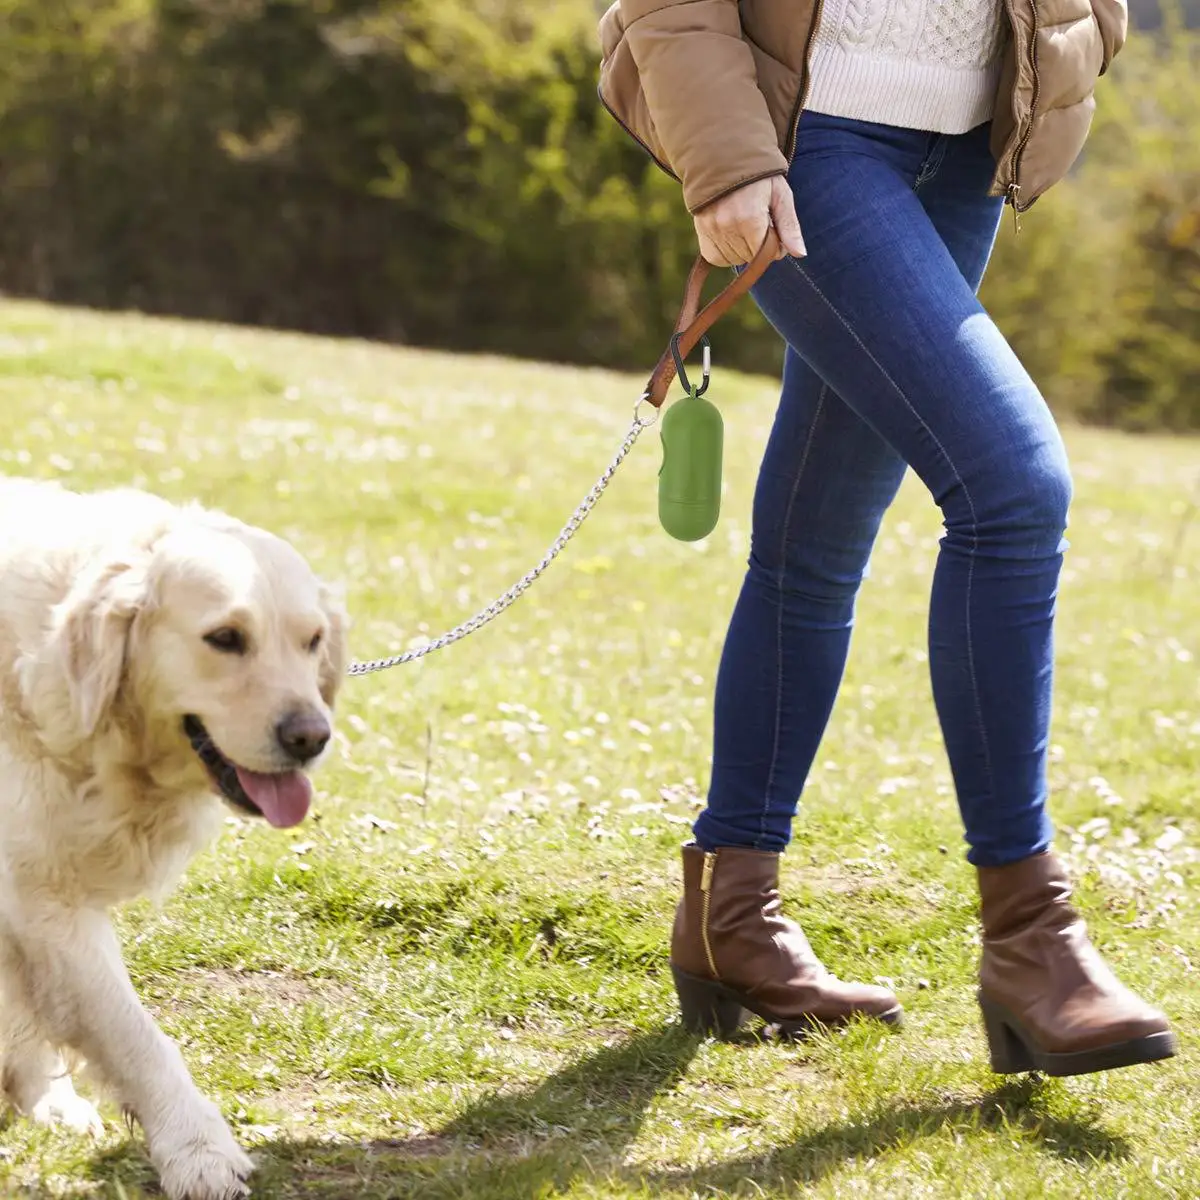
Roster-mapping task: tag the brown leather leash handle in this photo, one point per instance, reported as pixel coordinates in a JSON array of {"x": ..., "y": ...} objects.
[{"x": 693, "y": 325}]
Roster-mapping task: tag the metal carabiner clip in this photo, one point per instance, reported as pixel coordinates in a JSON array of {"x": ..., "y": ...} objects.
[{"x": 706, "y": 367}]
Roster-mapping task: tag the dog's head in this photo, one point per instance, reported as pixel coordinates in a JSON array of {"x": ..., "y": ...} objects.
[{"x": 216, "y": 649}]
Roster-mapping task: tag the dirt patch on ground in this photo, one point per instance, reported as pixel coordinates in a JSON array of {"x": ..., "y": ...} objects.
[
  {"x": 419, "y": 1146},
  {"x": 842, "y": 878},
  {"x": 280, "y": 987}
]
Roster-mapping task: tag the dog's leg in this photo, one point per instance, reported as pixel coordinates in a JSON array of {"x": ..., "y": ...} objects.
[
  {"x": 38, "y": 1084},
  {"x": 33, "y": 1076},
  {"x": 84, "y": 1000}
]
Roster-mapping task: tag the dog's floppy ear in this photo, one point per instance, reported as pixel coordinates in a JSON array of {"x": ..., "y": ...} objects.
[
  {"x": 334, "y": 648},
  {"x": 84, "y": 657}
]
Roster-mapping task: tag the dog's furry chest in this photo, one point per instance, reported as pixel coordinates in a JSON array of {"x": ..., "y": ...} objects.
[{"x": 98, "y": 841}]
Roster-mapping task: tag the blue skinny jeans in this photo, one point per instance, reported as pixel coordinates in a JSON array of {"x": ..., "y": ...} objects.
[{"x": 892, "y": 362}]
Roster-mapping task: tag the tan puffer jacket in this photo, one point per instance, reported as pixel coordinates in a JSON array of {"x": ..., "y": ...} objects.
[{"x": 713, "y": 89}]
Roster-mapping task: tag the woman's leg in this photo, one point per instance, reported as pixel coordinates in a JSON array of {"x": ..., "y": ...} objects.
[
  {"x": 827, "y": 478},
  {"x": 884, "y": 312},
  {"x": 918, "y": 201},
  {"x": 825, "y": 482}
]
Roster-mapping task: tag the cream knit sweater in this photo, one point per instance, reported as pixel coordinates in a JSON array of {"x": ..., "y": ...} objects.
[{"x": 920, "y": 64}]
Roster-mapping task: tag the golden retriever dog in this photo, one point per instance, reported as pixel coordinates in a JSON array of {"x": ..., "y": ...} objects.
[{"x": 158, "y": 665}]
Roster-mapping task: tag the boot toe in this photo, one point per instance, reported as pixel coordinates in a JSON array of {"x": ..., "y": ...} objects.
[
  {"x": 885, "y": 1007},
  {"x": 844, "y": 1002},
  {"x": 1135, "y": 1027}
]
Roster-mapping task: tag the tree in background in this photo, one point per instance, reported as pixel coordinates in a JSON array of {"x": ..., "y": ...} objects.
[{"x": 443, "y": 174}]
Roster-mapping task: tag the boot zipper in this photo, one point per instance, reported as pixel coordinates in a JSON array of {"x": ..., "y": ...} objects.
[
  {"x": 706, "y": 874},
  {"x": 1014, "y": 188}
]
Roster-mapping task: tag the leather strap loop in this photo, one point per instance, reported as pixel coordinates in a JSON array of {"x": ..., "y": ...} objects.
[{"x": 693, "y": 325}]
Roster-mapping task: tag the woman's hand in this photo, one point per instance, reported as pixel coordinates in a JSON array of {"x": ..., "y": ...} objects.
[{"x": 731, "y": 230}]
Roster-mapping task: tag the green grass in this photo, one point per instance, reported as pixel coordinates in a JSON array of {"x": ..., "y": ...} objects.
[{"x": 452, "y": 982}]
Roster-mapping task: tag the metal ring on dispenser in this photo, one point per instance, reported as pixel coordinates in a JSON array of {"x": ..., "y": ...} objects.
[{"x": 679, "y": 369}]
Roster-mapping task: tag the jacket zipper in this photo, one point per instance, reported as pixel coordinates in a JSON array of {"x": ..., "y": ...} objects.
[
  {"x": 1014, "y": 188},
  {"x": 706, "y": 874},
  {"x": 802, "y": 98}
]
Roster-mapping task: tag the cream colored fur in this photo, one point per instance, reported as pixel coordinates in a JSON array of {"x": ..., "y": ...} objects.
[{"x": 104, "y": 603}]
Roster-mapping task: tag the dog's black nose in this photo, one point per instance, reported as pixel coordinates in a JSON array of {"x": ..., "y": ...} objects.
[{"x": 303, "y": 734}]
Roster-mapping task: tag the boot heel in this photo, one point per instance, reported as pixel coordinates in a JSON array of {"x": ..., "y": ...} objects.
[
  {"x": 1006, "y": 1048},
  {"x": 705, "y": 1007}
]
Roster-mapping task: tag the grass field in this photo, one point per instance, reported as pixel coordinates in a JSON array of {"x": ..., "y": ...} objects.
[{"x": 452, "y": 982}]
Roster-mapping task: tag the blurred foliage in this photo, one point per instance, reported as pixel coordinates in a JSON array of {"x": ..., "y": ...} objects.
[
  {"x": 444, "y": 174},
  {"x": 1100, "y": 290}
]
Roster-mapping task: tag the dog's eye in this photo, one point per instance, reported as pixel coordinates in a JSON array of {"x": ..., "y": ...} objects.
[
  {"x": 314, "y": 643},
  {"x": 227, "y": 640}
]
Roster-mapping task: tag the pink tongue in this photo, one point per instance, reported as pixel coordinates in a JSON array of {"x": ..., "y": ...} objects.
[{"x": 282, "y": 799}]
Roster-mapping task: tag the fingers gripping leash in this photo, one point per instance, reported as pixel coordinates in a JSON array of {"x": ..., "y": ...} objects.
[{"x": 702, "y": 440}]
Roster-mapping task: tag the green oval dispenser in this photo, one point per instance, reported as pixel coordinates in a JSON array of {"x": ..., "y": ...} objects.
[{"x": 689, "y": 480}]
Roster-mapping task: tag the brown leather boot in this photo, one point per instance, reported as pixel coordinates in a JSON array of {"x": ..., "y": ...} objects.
[
  {"x": 731, "y": 950},
  {"x": 1049, "y": 1002}
]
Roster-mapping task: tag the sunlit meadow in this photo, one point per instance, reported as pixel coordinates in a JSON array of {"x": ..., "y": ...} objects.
[{"x": 452, "y": 981}]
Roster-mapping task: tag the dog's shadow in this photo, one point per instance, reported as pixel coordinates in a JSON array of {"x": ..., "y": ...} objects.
[{"x": 577, "y": 1125}]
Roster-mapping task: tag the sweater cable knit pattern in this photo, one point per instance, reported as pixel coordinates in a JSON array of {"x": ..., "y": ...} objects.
[{"x": 921, "y": 64}]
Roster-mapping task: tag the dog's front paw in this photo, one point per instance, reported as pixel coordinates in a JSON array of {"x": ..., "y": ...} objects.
[
  {"x": 200, "y": 1160},
  {"x": 63, "y": 1107}
]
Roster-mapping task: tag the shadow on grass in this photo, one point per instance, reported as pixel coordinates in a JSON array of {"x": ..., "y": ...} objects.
[
  {"x": 576, "y": 1126},
  {"x": 1018, "y": 1108}
]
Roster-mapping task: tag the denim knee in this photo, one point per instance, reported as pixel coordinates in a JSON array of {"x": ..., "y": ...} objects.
[
  {"x": 818, "y": 588},
  {"x": 1052, "y": 496},
  {"x": 1018, "y": 509}
]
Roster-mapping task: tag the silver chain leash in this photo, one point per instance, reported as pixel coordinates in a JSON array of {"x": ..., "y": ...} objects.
[{"x": 514, "y": 593}]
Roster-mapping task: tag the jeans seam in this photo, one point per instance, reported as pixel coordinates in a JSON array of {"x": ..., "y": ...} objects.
[
  {"x": 987, "y": 753},
  {"x": 787, "y": 528}
]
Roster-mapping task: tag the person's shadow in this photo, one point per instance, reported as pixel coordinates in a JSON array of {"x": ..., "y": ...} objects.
[{"x": 578, "y": 1124}]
